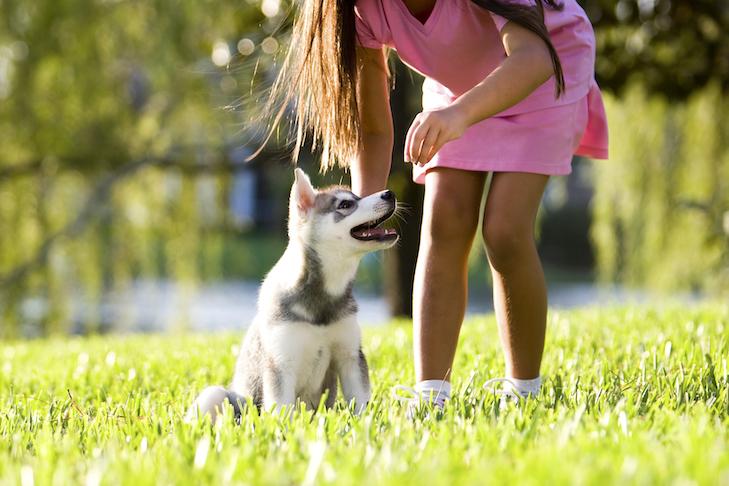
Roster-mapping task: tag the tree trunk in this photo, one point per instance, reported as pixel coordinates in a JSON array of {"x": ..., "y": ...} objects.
[{"x": 399, "y": 263}]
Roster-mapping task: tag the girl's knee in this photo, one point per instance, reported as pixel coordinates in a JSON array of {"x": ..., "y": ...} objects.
[
  {"x": 451, "y": 221},
  {"x": 506, "y": 242},
  {"x": 452, "y": 204}
]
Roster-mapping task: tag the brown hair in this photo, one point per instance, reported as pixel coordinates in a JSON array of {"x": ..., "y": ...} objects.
[{"x": 319, "y": 73}]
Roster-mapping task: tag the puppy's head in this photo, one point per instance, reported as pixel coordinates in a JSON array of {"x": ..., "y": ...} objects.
[{"x": 337, "y": 218}]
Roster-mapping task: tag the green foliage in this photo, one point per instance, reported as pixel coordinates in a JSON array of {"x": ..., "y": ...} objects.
[
  {"x": 661, "y": 209},
  {"x": 93, "y": 85},
  {"x": 89, "y": 89},
  {"x": 671, "y": 47},
  {"x": 107, "y": 112},
  {"x": 637, "y": 396}
]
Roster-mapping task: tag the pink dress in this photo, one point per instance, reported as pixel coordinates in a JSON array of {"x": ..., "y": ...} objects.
[{"x": 458, "y": 46}]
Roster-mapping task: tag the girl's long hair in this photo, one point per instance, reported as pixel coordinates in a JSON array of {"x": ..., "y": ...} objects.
[{"x": 319, "y": 73}]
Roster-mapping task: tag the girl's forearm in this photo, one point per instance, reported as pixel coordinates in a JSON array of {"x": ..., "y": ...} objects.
[
  {"x": 517, "y": 77},
  {"x": 528, "y": 64},
  {"x": 372, "y": 166}
]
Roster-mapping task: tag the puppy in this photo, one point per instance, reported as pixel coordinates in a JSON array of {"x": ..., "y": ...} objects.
[{"x": 305, "y": 337}]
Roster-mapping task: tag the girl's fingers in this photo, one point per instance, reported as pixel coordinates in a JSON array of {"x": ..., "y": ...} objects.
[
  {"x": 416, "y": 142},
  {"x": 409, "y": 139},
  {"x": 436, "y": 147},
  {"x": 426, "y": 146},
  {"x": 443, "y": 138}
]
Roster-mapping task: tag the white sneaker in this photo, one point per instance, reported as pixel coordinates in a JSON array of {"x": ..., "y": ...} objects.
[
  {"x": 420, "y": 403},
  {"x": 509, "y": 391}
]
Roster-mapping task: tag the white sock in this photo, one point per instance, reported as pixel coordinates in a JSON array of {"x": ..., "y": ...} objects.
[
  {"x": 528, "y": 387},
  {"x": 437, "y": 391}
]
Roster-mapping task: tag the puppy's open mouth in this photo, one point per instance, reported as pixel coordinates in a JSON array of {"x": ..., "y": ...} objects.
[{"x": 372, "y": 231}]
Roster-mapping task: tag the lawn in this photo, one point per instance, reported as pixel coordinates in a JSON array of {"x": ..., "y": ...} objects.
[{"x": 632, "y": 395}]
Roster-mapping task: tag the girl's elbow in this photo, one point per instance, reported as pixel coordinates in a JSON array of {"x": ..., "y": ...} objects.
[{"x": 538, "y": 60}]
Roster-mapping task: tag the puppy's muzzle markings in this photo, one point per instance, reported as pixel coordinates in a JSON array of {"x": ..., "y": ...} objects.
[
  {"x": 305, "y": 339},
  {"x": 372, "y": 230}
]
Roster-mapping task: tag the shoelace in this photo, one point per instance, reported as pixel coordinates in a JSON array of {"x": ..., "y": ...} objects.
[
  {"x": 513, "y": 393},
  {"x": 435, "y": 397}
]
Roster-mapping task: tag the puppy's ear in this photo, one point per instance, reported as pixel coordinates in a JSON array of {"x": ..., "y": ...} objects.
[{"x": 302, "y": 192}]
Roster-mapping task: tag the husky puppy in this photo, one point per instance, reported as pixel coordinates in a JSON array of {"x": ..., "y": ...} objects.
[{"x": 305, "y": 335}]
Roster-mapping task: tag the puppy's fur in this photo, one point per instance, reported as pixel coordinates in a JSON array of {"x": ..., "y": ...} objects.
[{"x": 305, "y": 336}]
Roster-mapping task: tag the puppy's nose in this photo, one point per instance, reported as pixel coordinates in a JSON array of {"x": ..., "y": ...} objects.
[{"x": 388, "y": 196}]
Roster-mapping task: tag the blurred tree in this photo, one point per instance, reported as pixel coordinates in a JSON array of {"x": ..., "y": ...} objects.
[
  {"x": 661, "y": 208},
  {"x": 670, "y": 47},
  {"x": 399, "y": 262},
  {"x": 93, "y": 85},
  {"x": 109, "y": 112},
  {"x": 124, "y": 114}
]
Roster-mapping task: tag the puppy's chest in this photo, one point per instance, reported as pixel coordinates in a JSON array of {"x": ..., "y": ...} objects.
[
  {"x": 311, "y": 348},
  {"x": 310, "y": 300},
  {"x": 310, "y": 343},
  {"x": 315, "y": 306}
]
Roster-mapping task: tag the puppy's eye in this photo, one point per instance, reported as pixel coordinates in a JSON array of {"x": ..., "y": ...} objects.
[{"x": 345, "y": 204}]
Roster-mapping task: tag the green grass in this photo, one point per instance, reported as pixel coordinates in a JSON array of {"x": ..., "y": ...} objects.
[{"x": 636, "y": 396}]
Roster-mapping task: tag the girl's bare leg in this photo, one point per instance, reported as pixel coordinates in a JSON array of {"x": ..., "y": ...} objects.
[
  {"x": 520, "y": 293},
  {"x": 450, "y": 219}
]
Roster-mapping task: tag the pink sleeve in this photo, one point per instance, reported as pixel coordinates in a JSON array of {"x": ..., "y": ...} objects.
[
  {"x": 365, "y": 36},
  {"x": 501, "y": 21}
]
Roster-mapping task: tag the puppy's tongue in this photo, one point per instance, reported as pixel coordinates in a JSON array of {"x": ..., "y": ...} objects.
[{"x": 374, "y": 232}]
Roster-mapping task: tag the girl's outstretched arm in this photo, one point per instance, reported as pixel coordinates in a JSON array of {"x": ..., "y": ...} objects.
[
  {"x": 526, "y": 67},
  {"x": 372, "y": 164}
]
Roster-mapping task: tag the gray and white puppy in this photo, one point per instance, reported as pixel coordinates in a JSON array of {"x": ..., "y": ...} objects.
[{"x": 305, "y": 335}]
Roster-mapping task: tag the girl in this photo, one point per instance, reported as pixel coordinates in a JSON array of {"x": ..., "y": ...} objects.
[{"x": 509, "y": 89}]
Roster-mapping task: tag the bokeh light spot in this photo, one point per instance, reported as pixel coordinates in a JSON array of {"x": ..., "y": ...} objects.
[
  {"x": 228, "y": 84},
  {"x": 246, "y": 46},
  {"x": 270, "y": 8},
  {"x": 221, "y": 53},
  {"x": 269, "y": 45}
]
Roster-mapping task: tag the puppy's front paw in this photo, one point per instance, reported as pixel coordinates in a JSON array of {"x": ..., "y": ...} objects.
[
  {"x": 358, "y": 406},
  {"x": 209, "y": 402}
]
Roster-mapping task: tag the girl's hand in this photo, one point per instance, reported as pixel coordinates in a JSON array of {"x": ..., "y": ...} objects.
[{"x": 431, "y": 130}]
